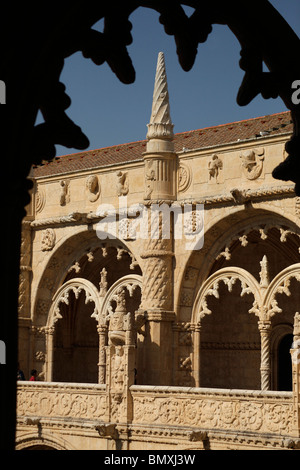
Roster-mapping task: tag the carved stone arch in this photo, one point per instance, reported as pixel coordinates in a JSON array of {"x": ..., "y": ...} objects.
[
  {"x": 32, "y": 442},
  {"x": 76, "y": 286},
  {"x": 54, "y": 270},
  {"x": 130, "y": 283},
  {"x": 65, "y": 254},
  {"x": 228, "y": 276},
  {"x": 280, "y": 285},
  {"x": 220, "y": 232}
]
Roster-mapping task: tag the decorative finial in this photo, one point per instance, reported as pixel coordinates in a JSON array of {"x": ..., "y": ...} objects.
[
  {"x": 160, "y": 126},
  {"x": 264, "y": 273}
]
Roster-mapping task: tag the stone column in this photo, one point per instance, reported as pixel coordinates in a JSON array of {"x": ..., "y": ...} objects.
[
  {"x": 295, "y": 355},
  {"x": 102, "y": 331},
  {"x": 196, "y": 354},
  {"x": 265, "y": 365},
  {"x": 49, "y": 331},
  {"x": 160, "y": 191}
]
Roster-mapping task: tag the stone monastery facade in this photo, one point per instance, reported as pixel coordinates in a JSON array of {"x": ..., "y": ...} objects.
[{"x": 159, "y": 293}]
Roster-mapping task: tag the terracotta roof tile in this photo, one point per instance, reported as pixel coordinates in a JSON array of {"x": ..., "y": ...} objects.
[{"x": 201, "y": 138}]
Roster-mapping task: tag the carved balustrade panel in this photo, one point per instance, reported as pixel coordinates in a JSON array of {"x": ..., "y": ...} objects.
[
  {"x": 55, "y": 400},
  {"x": 251, "y": 411}
]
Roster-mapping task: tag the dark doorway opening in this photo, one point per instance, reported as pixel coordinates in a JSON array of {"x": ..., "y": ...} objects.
[{"x": 285, "y": 382}]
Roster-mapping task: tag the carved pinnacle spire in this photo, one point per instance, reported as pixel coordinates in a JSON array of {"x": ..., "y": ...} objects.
[
  {"x": 264, "y": 273},
  {"x": 160, "y": 126}
]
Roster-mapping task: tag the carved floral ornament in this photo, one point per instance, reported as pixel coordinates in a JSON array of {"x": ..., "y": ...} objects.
[
  {"x": 263, "y": 230},
  {"x": 265, "y": 304}
]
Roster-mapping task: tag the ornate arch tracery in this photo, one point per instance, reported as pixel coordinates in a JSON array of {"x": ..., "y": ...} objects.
[
  {"x": 76, "y": 285},
  {"x": 229, "y": 276},
  {"x": 265, "y": 306},
  {"x": 280, "y": 285}
]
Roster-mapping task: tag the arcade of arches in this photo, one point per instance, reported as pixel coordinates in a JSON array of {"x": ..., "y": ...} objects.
[{"x": 141, "y": 341}]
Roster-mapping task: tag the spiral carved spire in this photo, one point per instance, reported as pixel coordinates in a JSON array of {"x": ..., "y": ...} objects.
[{"x": 160, "y": 126}]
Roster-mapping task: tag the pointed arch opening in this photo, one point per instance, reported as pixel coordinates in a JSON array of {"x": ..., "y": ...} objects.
[
  {"x": 228, "y": 351},
  {"x": 73, "y": 342}
]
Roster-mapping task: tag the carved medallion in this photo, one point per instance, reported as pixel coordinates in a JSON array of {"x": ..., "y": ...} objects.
[{"x": 184, "y": 177}]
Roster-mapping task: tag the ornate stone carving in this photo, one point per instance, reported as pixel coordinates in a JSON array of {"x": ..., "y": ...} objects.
[
  {"x": 118, "y": 369},
  {"x": 103, "y": 283},
  {"x": 62, "y": 400},
  {"x": 160, "y": 126},
  {"x": 184, "y": 177},
  {"x": 256, "y": 412},
  {"x": 264, "y": 273},
  {"x": 215, "y": 165},
  {"x": 76, "y": 285},
  {"x": 40, "y": 200},
  {"x": 122, "y": 183},
  {"x": 193, "y": 222},
  {"x": 297, "y": 206},
  {"x": 75, "y": 267},
  {"x": 116, "y": 318},
  {"x": 48, "y": 239},
  {"x": 296, "y": 331},
  {"x": 93, "y": 188},
  {"x": 229, "y": 277},
  {"x": 150, "y": 177},
  {"x": 252, "y": 163},
  {"x": 64, "y": 192},
  {"x": 280, "y": 285},
  {"x": 25, "y": 271}
]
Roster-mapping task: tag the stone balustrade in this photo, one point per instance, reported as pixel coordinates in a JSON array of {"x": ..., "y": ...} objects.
[
  {"x": 61, "y": 400},
  {"x": 199, "y": 408},
  {"x": 214, "y": 409}
]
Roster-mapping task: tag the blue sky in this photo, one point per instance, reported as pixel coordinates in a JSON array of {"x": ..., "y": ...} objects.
[{"x": 112, "y": 113}]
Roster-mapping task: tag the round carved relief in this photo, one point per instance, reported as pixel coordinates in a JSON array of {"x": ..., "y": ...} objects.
[
  {"x": 40, "y": 200},
  {"x": 184, "y": 177}
]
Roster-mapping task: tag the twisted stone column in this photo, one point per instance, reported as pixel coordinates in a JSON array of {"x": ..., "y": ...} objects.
[
  {"x": 102, "y": 331},
  {"x": 265, "y": 365}
]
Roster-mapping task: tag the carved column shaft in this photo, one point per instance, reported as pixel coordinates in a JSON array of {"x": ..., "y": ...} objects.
[
  {"x": 295, "y": 356},
  {"x": 49, "y": 331},
  {"x": 196, "y": 354},
  {"x": 175, "y": 329},
  {"x": 102, "y": 331},
  {"x": 25, "y": 271},
  {"x": 265, "y": 365}
]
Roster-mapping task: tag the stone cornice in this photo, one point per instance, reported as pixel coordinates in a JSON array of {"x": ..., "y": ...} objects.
[{"x": 235, "y": 197}]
